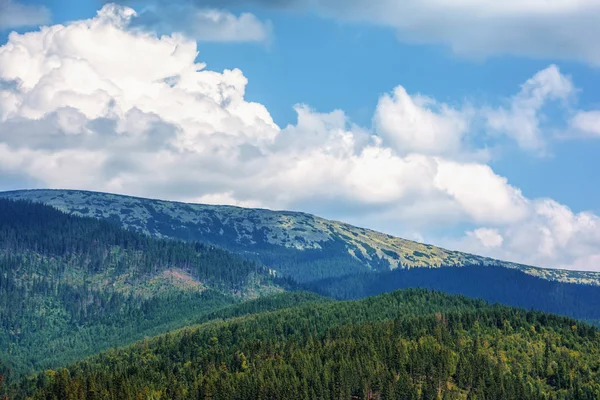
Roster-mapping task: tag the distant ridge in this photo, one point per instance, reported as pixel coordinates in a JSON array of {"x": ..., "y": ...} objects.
[{"x": 295, "y": 244}]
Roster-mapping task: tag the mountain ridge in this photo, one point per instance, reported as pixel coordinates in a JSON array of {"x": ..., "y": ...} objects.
[
  {"x": 72, "y": 285},
  {"x": 297, "y": 244}
]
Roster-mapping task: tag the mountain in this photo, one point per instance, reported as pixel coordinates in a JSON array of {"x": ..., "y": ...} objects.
[
  {"x": 413, "y": 344},
  {"x": 332, "y": 258},
  {"x": 491, "y": 283},
  {"x": 71, "y": 286},
  {"x": 301, "y": 246}
]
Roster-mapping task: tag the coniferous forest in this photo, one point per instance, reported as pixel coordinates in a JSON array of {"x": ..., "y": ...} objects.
[
  {"x": 71, "y": 286},
  {"x": 412, "y": 344},
  {"x": 493, "y": 284},
  {"x": 89, "y": 310}
]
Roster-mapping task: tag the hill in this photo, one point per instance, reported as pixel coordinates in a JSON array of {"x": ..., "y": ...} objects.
[
  {"x": 302, "y": 246},
  {"x": 412, "y": 344},
  {"x": 72, "y": 286}
]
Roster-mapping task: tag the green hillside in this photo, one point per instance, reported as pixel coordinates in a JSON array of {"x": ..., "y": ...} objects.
[
  {"x": 411, "y": 344},
  {"x": 303, "y": 246},
  {"x": 72, "y": 286}
]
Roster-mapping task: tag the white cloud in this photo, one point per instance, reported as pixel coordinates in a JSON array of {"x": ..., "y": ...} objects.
[
  {"x": 546, "y": 29},
  {"x": 586, "y": 123},
  {"x": 487, "y": 237},
  {"x": 481, "y": 193},
  {"x": 416, "y": 123},
  {"x": 520, "y": 120},
  {"x": 14, "y": 14},
  {"x": 419, "y": 124},
  {"x": 216, "y": 25},
  {"x": 563, "y": 29},
  {"x": 205, "y": 24},
  {"x": 551, "y": 235},
  {"x": 104, "y": 106}
]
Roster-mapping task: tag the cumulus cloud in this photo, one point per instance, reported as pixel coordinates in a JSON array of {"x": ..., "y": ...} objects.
[
  {"x": 103, "y": 105},
  {"x": 482, "y": 194},
  {"x": 14, "y": 14},
  {"x": 419, "y": 124},
  {"x": 416, "y": 123},
  {"x": 520, "y": 119},
  {"x": 563, "y": 29},
  {"x": 204, "y": 24},
  {"x": 586, "y": 123},
  {"x": 550, "y": 235},
  {"x": 487, "y": 237}
]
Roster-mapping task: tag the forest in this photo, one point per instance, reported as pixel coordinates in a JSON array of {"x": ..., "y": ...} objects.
[
  {"x": 490, "y": 283},
  {"x": 89, "y": 310},
  {"x": 71, "y": 286},
  {"x": 412, "y": 344}
]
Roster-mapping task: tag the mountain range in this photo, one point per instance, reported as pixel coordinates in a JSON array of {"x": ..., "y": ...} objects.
[
  {"x": 295, "y": 244},
  {"x": 331, "y": 258},
  {"x": 220, "y": 302}
]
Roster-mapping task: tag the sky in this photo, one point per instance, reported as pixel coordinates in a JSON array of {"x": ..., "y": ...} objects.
[{"x": 474, "y": 125}]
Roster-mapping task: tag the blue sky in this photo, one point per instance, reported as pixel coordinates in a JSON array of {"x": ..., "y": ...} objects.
[
  {"x": 349, "y": 65},
  {"x": 331, "y": 57}
]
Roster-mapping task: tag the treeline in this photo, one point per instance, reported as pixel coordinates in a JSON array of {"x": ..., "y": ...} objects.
[
  {"x": 406, "y": 345},
  {"x": 331, "y": 260}
]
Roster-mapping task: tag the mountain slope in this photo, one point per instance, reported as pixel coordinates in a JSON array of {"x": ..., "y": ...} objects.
[
  {"x": 490, "y": 283},
  {"x": 71, "y": 286},
  {"x": 303, "y": 246},
  {"x": 405, "y": 345}
]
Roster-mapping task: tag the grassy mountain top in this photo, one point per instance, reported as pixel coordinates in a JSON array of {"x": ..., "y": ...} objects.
[
  {"x": 411, "y": 344},
  {"x": 296, "y": 244}
]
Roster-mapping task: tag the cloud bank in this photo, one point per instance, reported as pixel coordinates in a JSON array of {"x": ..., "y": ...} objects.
[
  {"x": 550, "y": 29},
  {"x": 104, "y": 105}
]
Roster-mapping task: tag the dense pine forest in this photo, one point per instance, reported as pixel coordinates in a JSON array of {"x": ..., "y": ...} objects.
[
  {"x": 493, "y": 284},
  {"x": 72, "y": 286},
  {"x": 413, "y": 344}
]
